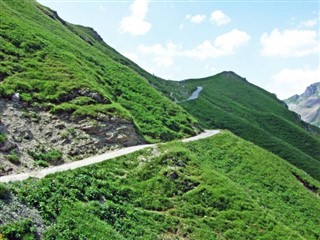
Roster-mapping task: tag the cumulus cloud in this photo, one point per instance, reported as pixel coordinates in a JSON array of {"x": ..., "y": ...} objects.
[
  {"x": 198, "y": 18},
  {"x": 289, "y": 43},
  {"x": 309, "y": 23},
  {"x": 223, "y": 45},
  {"x": 219, "y": 18},
  {"x": 162, "y": 55},
  {"x": 288, "y": 82},
  {"x": 135, "y": 23}
]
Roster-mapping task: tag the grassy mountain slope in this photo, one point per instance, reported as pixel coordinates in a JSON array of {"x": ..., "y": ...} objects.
[
  {"x": 217, "y": 188},
  {"x": 66, "y": 68},
  {"x": 228, "y": 101}
]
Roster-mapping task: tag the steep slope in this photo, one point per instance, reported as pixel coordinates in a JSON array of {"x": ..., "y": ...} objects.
[
  {"x": 228, "y": 101},
  {"x": 307, "y": 105},
  {"x": 63, "y": 88},
  {"x": 217, "y": 188}
]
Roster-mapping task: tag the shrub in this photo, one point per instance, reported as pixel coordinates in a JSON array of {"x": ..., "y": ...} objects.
[
  {"x": 4, "y": 192},
  {"x": 14, "y": 158},
  {"x": 2, "y": 138},
  {"x": 43, "y": 156},
  {"x": 42, "y": 163},
  {"x": 22, "y": 229}
]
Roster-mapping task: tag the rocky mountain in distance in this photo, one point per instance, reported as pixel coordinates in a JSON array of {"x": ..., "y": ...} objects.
[{"x": 307, "y": 105}]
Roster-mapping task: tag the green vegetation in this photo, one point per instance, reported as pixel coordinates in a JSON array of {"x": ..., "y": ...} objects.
[
  {"x": 66, "y": 68},
  {"x": 20, "y": 230},
  {"x": 228, "y": 101},
  {"x": 4, "y": 192},
  {"x": 43, "y": 157},
  {"x": 13, "y": 157},
  {"x": 2, "y": 138},
  {"x": 217, "y": 188}
]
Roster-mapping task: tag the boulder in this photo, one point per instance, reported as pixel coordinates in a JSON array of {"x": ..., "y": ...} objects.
[
  {"x": 15, "y": 97},
  {"x": 7, "y": 146}
]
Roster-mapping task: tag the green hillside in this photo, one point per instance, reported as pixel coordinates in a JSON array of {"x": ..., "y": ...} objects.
[
  {"x": 66, "y": 68},
  {"x": 217, "y": 188},
  {"x": 228, "y": 101}
]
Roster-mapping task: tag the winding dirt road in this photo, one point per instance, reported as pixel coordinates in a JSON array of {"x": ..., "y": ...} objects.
[{"x": 94, "y": 159}]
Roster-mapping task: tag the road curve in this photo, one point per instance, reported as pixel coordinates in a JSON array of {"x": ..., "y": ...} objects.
[{"x": 94, "y": 159}]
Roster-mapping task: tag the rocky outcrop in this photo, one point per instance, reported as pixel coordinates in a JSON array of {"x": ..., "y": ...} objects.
[
  {"x": 307, "y": 105},
  {"x": 32, "y": 135},
  {"x": 86, "y": 93}
]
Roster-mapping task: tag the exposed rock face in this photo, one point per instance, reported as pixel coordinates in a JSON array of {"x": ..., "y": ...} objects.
[
  {"x": 28, "y": 129},
  {"x": 307, "y": 104}
]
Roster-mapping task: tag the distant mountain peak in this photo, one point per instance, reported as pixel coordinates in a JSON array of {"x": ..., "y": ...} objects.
[
  {"x": 307, "y": 104},
  {"x": 232, "y": 75},
  {"x": 312, "y": 90}
]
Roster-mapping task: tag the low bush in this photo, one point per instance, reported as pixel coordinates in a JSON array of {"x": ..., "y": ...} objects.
[
  {"x": 4, "y": 192},
  {"x": 14, "y": 158},
  {"x": 2, "y": 138},
  {"x": 42, "y": 155},
  {"x": 20, "y": 230}
]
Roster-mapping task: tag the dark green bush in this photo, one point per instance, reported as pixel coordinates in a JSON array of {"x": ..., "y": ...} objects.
[
  {"x": 2, "y": 138},
  {"x": 14, "y": 158},
  {"x": 4, "y": 192},
  {"x": 41, "y": 155},
  {"x": 21, "y": 230}
]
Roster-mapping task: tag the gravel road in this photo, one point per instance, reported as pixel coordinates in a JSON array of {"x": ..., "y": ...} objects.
[{"x": 94, "y": 159}]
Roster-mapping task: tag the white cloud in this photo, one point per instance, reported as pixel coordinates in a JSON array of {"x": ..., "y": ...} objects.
[
  {"x": 309, "y": 23},
  {"x": 198, "y": 18},
  {"x": 181, "y": 26},
  {"x": 136, "y": 23},
  {"x": 219, "y": 18},
  {"x": 289, "y": 43},
  {"x": 223, "y": 45},
  {"x": 162, "y": 56},
  {"x": 288, "y": 82}
]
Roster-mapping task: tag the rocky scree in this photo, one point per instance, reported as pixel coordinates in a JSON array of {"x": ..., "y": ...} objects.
[{"x": 31, "y": 138}]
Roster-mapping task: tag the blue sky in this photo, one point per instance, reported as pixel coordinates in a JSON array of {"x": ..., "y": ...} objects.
[{"x": 274, "y": 44}]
